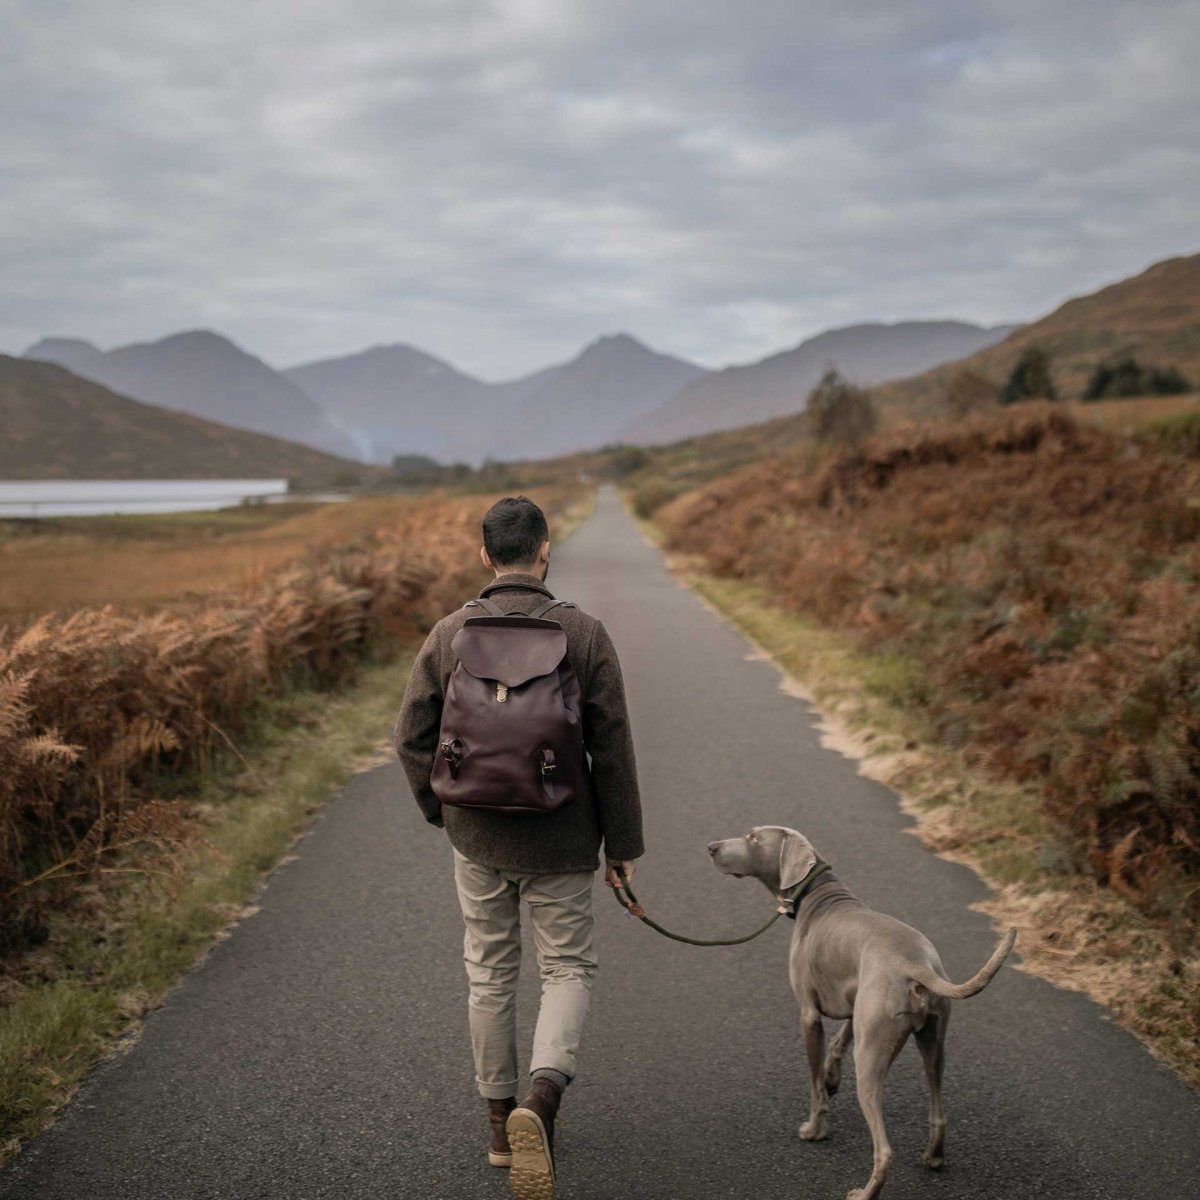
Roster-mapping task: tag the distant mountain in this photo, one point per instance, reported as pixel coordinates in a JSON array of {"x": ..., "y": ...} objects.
[
  {"x": 779, "y": 384},
  {"x": 399, "y": 400},
  {"x": 1154, "y": 315},
  {"x": 58, "y": 425},
  {"x": 588, "y": 401},
  {"x": 204, "y": 374}
]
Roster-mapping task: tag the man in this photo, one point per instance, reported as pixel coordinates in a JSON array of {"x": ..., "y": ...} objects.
[{"x": 548, "y": 860}]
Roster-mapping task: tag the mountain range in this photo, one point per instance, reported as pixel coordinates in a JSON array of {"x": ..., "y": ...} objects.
[
  {"x": 397, "y": 399},
  {"x": 779, "y": 384}
]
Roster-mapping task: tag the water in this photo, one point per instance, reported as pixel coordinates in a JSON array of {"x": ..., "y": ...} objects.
[{"x": 93, "y": 497}]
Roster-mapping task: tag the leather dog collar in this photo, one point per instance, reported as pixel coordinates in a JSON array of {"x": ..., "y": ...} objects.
[{"x": 790, "y": 905}]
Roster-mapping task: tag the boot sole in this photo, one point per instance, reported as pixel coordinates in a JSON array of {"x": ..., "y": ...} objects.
[
  {"x": 499, "y": 1160},
  {"x": 531, "y": 1176}
]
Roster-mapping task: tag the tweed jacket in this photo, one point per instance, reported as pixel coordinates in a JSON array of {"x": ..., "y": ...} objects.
[{"x": 608, "y": 808}]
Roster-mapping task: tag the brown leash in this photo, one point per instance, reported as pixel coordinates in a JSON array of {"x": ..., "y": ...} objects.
[{"x": 634, "y": 909}]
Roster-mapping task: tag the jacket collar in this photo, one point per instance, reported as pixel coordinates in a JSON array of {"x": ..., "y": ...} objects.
[{"x": 517, "y": 579}]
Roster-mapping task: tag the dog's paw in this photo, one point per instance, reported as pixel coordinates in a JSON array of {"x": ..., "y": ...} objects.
[
  {"x": 833, "y": 1077},
  {"x": 814, "y": 1130},
  {"x": 933, "y": 1161}
]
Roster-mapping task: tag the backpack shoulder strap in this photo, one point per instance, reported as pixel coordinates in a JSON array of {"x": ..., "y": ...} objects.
[
  {"x": 543, "y": 609},
  {"x": 486, "y": 605},
  {"x": 495, "y": 611}
]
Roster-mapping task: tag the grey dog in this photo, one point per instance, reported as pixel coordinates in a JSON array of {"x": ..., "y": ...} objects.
[{"x": 882, "y": 977}]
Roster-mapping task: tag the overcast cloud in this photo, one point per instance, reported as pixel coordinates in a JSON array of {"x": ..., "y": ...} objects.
[{"x": 499, "y": 183}]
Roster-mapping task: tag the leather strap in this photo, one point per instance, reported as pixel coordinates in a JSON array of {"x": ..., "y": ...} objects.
[
  {"x": 486, "y": 605},
  {"x": 496, "y": 611}
]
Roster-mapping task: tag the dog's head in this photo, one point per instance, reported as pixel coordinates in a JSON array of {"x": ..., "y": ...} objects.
[{"x": 778, "y": 856}]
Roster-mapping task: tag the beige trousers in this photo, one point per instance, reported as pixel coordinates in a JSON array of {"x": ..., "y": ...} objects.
[{"x": 560, "y": 910}]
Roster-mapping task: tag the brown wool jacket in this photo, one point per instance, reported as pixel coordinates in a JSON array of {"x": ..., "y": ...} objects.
[{"x": 608, "y": 808}]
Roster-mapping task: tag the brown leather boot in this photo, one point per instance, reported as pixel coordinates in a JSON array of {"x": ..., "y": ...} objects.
[
  {"x": 499, "y": 1152},
  {"x": 531, "y": 1135}
]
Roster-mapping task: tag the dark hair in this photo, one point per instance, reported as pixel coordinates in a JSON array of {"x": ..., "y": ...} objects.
[{"x": 513, "y": 531}]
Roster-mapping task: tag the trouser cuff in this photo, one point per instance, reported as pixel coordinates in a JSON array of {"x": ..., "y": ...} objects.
[{"x": 497, "y": 1091}]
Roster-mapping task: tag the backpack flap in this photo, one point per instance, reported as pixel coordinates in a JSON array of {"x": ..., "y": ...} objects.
[{"x": 509, "y": 650}]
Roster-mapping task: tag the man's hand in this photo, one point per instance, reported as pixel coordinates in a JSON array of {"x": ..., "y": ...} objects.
[{"x": 610, "y": 871}]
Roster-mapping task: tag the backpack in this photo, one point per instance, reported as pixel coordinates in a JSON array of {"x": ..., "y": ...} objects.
[{"x": 511, "y": 738}]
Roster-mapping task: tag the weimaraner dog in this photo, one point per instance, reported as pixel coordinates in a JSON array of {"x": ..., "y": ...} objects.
[{"x": 882, "y": 977}]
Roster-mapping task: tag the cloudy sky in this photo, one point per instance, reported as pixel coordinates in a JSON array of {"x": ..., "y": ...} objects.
[{"x": 499, "y": 183}]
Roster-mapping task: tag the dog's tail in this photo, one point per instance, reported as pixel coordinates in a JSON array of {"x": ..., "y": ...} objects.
[{"x": 960, "y": 991}]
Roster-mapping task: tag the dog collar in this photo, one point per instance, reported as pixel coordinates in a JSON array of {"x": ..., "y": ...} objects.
[{"x": 790, "y": 905}]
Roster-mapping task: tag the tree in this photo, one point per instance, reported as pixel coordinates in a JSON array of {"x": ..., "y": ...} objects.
[
  {"x": 1030, "y": 378},
  {"x": 1125, "y": 376},
  {"x": 1168, "y": 381},
  {"x": 841, "y": 412}
]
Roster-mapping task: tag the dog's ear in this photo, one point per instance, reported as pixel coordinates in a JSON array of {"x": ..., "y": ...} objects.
[{"x": 796, "y": 859}]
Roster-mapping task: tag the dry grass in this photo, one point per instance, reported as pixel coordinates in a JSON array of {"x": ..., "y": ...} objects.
[
  {"x": 1130, "y": 415},
  {"x": 1045, "y": 575},
  {"x": 103, "y": 711},
  {"x": 143, "y": 562}
]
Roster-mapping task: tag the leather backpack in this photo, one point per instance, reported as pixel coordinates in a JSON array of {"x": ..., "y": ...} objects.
[{"x": 511, "y": 738}]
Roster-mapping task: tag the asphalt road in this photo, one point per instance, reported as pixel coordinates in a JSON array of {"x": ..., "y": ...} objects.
[{"x": 321, "y": 1051}]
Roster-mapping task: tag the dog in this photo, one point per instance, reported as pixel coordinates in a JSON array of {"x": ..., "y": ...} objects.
[{"x": 882, "y": 977}]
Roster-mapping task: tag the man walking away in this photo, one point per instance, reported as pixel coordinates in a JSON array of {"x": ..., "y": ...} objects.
[{"x": 505, "y": 853}]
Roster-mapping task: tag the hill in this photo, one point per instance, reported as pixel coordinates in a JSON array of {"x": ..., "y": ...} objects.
[
  {"x": 398, "y": 399},
  {"x": 778, "y": 385},
  {"x": 205, "y": 374},
  {"x": 58, "y": 425},
  {"x": 1154, "y": 315}
]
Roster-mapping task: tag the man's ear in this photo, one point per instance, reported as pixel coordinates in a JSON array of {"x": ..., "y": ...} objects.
[
  {"x": 544, "y": 552},
  {"x": 487, "y": 559},
  {"x": 796, "y": 859}
]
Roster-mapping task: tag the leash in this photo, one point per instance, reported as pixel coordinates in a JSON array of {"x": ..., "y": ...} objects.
[{"x": 634, "y": 909}]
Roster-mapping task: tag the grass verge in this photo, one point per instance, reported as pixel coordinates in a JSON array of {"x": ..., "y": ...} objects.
[
  {"x": 110, "y": 961},
  {"x": 1073, "y": 932}
]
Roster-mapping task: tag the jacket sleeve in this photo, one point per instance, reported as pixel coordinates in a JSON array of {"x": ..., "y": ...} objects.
[
  {"x": 415, "y": 734},
  {"x": 608, "y": 739}
]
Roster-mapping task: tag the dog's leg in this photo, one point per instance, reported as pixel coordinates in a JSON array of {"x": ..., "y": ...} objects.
[
  {"x": 877, "y": 1046},
  {"x": 931, "y": 1041},
  {"x": 814, "y": 1129},
  {"x": 833, "y": 1061}
]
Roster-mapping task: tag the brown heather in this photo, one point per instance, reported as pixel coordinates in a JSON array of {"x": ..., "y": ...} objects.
[
  {"x": 1041, "y": 576},
  {"x": 105, "y": 714}
]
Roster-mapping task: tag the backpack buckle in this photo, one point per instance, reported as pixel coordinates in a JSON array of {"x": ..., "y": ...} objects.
[
  {"x": 548, "y": 765},
  {"x": 501, "y": 693},
  {"x": 452, "y": 752}
]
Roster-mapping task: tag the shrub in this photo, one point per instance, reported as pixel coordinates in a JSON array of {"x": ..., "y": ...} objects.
[
  {"x": 625, "y": 460},
  {"x": 652, "y": 495},
  {"x": 1125, "y": 376},
  {"x": 1030, "y": 378},
  {"x": 841, "y": 412},
  {"x": 1043, "y": 573}
]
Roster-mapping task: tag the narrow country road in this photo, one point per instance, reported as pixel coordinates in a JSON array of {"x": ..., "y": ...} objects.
[{"x": 321, "y": 1051}]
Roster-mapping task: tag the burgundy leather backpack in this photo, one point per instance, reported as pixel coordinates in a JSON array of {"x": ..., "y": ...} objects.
[{"x": 511, "y": 738}]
